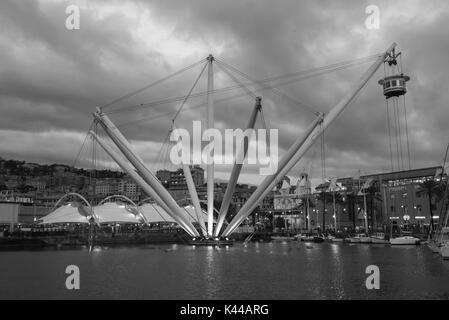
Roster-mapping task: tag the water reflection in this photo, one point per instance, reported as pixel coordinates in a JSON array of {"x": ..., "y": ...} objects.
[{"x": 257, "y": 271}]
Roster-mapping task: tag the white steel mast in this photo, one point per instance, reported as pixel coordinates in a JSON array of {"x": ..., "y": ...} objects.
[
  {"x": 317, "y": 132},
  {"x": 210, "y": 156},
  {"x": 270, "y": 181},
  {"x": 124, "y": 146},
  {"x": 138, "y": 179},
  {"x": 236, "y": 169}
]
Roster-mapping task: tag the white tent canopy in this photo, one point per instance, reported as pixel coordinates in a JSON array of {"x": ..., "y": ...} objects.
[
  {"x": 154, "y": 213},
  {"x": 66, "y": 214},
  {"x": 117, "y": 212}
]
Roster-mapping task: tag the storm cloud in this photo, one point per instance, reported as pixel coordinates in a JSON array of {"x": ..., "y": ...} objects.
[{"x": 52, "y": 79}]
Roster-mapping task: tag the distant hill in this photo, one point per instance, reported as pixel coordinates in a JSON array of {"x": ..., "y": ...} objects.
[{"x": 22, "y": 168}]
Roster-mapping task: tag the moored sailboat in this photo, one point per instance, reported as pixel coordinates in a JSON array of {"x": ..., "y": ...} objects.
[
  {"x": 379, "y": 238},
  {"x": 360, "y": 238},
  {"x": 407, "y": 240}
]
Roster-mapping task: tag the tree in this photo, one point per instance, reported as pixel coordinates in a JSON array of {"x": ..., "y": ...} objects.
[
  {"x": 431, "y": 188},
  {"x": 327, "y": 198},
  {"x": 372, "y": 193}
]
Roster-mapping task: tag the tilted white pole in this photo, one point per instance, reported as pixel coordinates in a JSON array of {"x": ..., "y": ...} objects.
[
  {"x": 194, "y": 196},
  {"x": 138, "y": 179},
  {"x": 327, "y": 121},
  {"x": 210, "y": 165},
  {"x": 237, "y": 168},
  {"x": 124, "y": 146},
  {"x": 270, "y": 181}
]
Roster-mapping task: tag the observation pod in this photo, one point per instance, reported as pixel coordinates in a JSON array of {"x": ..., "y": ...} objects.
[{"x": 394, "y": 86}]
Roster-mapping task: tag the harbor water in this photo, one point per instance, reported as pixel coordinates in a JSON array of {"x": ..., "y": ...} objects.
[{"x": 268, "y": 270}]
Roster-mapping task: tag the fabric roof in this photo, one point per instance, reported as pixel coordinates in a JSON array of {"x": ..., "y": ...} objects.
[
  {"x": 66, "y": 214},
  {"x": 154, "y": 213},
  {"x": 110, "y": 212},
  {"x": 116, "y": 212}
]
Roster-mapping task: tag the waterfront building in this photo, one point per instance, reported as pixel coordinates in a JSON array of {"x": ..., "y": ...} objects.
[
  {"x": 396, "y": 197},
  {"x": 39, "y": 184},
  {"x": 176, "y": 179},
  {"x": 289, "y": 203}
]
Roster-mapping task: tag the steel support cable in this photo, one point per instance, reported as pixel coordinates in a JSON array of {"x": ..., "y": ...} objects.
[
  {"x": 388, "y": 123},
  {"x": 389, "y": 135},
  {"x": 166, "y": 114},
  {"x": 405, "y": 118},
  {"x": 154, "y": 207},
  {"x": 407, "y": 136},
  {"x": 249, "y": 92},
  {"x": 167, "y": 143},
  {"x": 222, "y": 90},
  {"x": 151, "y": 84},
  {"x": 265, "y": 126},
  {"x": 396, "y": 103},
  {"x": 189, "y": 93},
  {"x": 180, "y": 98},
  {"x": 274, "y": 90},
  {"x": 337, "y": 66},
  {"x": 82, "y": 145},
  {"x": 396, "y": 136},
  {"x": 308, "y": 74},
  {"x": 327, "y": 68},
  {"x": 159, "y": 156},
  {"x": 176, "y": 115},
  {"x": 161, "y": 115},
  {"x": 323, "y": 156},
  {"x": 240, "y": 84},
  {"x": 323, "y": 174}
]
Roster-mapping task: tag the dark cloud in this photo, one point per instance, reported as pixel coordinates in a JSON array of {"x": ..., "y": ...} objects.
[{"x": 51, "y": 78}]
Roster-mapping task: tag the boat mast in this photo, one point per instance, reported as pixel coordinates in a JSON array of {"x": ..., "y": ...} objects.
[
  {"x": 210, "y": 155},
  {"x": 364, "y": 207},
  {"x": 335, "y": 212}
]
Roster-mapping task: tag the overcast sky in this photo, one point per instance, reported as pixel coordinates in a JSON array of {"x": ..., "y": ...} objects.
[{"x": 51, "y": 78}]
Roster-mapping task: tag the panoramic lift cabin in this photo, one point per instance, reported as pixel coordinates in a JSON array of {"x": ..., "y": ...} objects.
[{"x": 394, "y": 86}]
